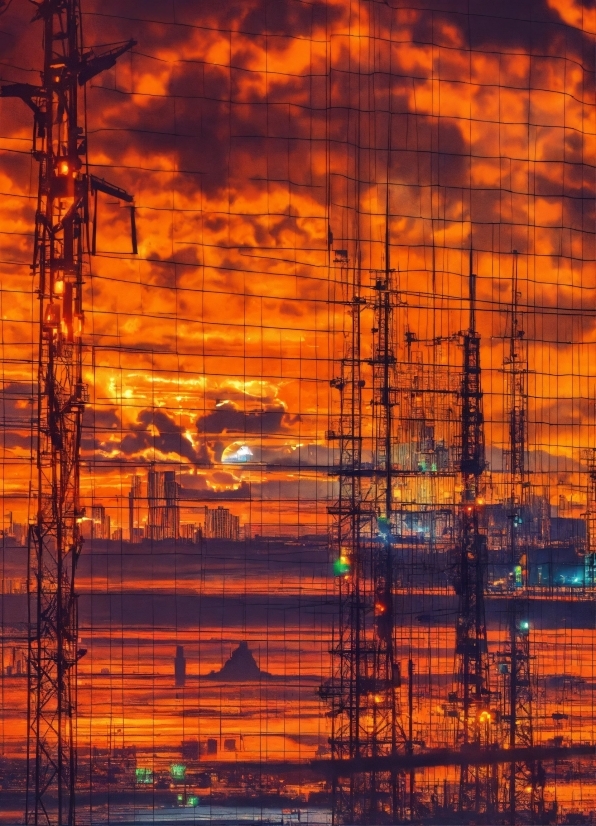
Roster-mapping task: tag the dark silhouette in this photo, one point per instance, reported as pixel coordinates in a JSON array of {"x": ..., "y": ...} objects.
[{"x": 240, "y": 667}]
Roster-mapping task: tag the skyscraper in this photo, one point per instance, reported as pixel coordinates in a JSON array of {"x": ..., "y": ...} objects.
[
  {"x": 163, "y": 493},
  {"x": 220, "y": 523},
  {"x": 134, "y": 509}
]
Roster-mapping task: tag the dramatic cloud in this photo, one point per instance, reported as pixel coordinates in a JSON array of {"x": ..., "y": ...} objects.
[
  {"x": 229, "y": 418},
  {"x": 158, "y": 435},
  {"x": 247, "y": 131}
]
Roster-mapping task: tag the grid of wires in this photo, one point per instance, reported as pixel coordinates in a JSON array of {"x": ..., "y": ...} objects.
[{"x": 262, "y": 143}]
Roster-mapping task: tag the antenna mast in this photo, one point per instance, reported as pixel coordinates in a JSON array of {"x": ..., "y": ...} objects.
[
  {"x": 55, "y": 542},
  {"x": 518, "y": 682},
  {"x": 346, "y": 690},
  {"x": 383, "y": 705},
  {"x": 476, "y": 793}
]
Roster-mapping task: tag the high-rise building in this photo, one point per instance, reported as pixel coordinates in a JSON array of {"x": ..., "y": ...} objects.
[
  {"x": 20, "y": 531},
  {"x": 163, "y": 493},
  {"x": 171, "y": 520},
  {"x": 220, "y": 523},
  {"x": 100, "y": 523},
  {"x": 188, "y": 532},
  {"x": 135, "y": 531}
]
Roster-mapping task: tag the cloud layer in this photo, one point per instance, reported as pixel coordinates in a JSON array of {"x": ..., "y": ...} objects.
[{"x": 250, "y": 131}]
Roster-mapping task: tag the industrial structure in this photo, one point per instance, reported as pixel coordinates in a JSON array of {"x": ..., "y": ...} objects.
[
  {"x": 364, "y": 689},
  {"x": 478, "y": 790},
  {"x": 519, "y": 680},
  {"x": 62, "y": 223},
  {"x": 351, "y": 688},
  {"x": 415, "y": 570},
  {"x": 381, "y": 503}
]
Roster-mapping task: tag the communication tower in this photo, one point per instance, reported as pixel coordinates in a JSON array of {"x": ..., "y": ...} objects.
[
  {"x": 363, "y": 692},
  {"x": 350, "y": 688},
  {"x": 476, "y": 783},
  {"x": 383, "y": 697},
  {"x": 524, "y": 783},
  {"x": 55, "y": 542},
  {"x": 589, "y": 456}
]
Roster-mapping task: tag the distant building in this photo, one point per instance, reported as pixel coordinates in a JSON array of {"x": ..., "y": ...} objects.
[
  {"x": 118, "y": 535},
  {"x": 97, "y": 526},
  {"x": 190, "y": 749},
  {"x": 180, "y": 667},
  {"x": 220, "y": 523},
  {"x": 135, "y": 531},
  {"x": 100, "y": 523},
  {"x": 20, "y": 531},
  {"x": 163, "y": 494},
  {"x": 188, "y": 532},
  {"x": 14, "y": 586},
  {"x": 17, "y": 662}
]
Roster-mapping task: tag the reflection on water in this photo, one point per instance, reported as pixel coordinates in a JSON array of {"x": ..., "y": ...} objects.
[
  {"x": 221, "y": 815},
  {"x": 250, "y": 743},
  {"x": 229, "y": 815}
]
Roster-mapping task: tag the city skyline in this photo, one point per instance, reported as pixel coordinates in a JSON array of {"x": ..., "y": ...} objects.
[{"x": 298, "y": 326}]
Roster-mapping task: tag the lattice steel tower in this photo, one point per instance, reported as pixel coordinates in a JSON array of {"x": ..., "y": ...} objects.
[
  {"x": 61, "y": 223},
  {"x": 525, "y": 780},
  {"x": 363, "y": 690},
  {"x": 589, "y": 456},
  {"x": 476, "y": 786},
  {"x": 383, "y": 697},
  {"x": 343, "y": 692}
]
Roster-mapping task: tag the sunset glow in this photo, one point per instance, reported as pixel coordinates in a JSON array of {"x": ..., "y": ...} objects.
[{"x": 291, "y": 164}]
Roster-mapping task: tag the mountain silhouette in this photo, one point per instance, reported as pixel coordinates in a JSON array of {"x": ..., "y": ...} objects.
[{"x": 240, "y": 667}]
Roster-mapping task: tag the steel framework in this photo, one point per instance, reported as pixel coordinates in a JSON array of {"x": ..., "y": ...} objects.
[
  {"x": 476, "y": 784},
  {"x": 347, "y": 689},
  {"x": 524, "y": 782},
  {"x": 384, "y": 703},
  {"x": 55, "y": 542},
  {"x": 589, "y": 456},
  {"x": 364, "y": 689}
]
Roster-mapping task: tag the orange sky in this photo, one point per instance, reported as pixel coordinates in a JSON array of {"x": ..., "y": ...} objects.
[
  {"x": 249, "y": 131},
  {"x": 246, "y": 131}
]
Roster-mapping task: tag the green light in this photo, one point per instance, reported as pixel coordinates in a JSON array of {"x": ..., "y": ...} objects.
[
  {"x": 341, "y": 566},
  {"x": 178, "y": 771},
  {"x": 384, "y": 527},
  {"x": 192, "y": 800},
  {"x": 144, "y": 776},
  {"x": 180, "y": 798}
]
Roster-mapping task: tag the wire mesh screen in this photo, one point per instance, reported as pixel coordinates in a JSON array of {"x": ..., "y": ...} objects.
[{"x": 290, "y": 162}]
